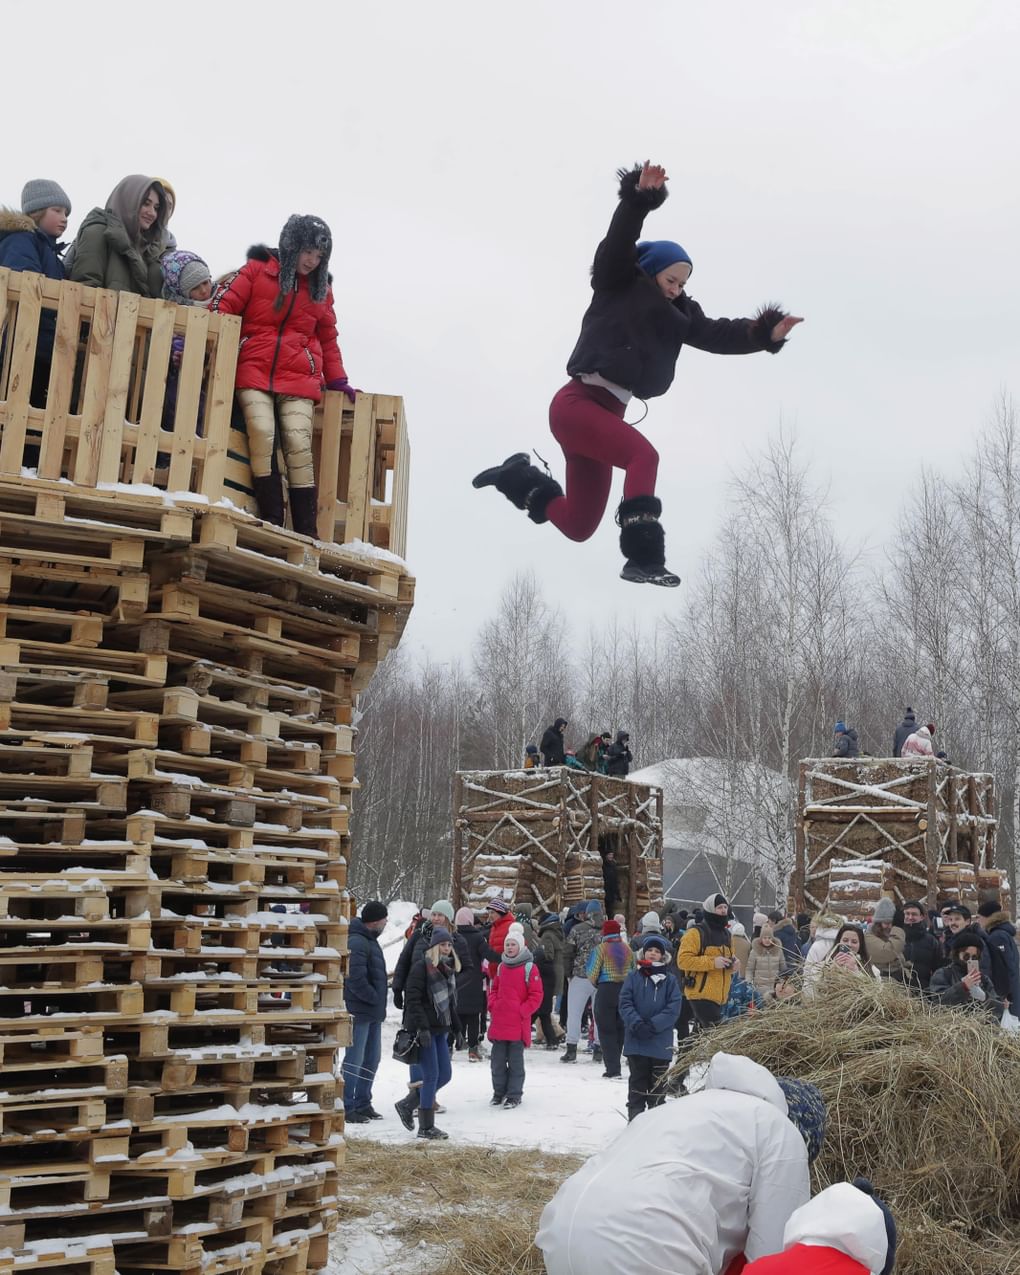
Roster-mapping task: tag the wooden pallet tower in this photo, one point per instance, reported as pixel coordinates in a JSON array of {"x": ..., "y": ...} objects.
[
  {"x": 537, "y": 836},
  {"x": 176, "y": 773},
  {"x": 914, "y": 829}
]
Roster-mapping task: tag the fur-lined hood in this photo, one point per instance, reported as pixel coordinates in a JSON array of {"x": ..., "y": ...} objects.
[
  {"x": 999, "y": 918},
  {"x": 12, "y": 221}
]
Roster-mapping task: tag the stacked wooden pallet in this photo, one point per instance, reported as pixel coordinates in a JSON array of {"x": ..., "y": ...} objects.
[{"x": 176, "y": 770}]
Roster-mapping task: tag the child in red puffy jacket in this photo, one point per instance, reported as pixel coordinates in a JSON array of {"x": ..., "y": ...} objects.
[
  {"x": 289, "y": 353},
  {"x": 515, "y": 993},
  {"x": 844, "y": 1230}
]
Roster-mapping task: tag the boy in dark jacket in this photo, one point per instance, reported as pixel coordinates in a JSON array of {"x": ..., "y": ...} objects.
[
  {"x": 631, "y": 336},
  {"x": 903, "y": 732},
  {"x": 365, "y": 998},
  {"x": 29, "y": 242},
  {"x": 649, "y": 1005}
]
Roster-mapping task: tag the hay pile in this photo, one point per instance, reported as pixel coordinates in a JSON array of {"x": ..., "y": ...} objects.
[
  {"x": 475, "y": 1209},
  {"x": 924, "y": 1101}
]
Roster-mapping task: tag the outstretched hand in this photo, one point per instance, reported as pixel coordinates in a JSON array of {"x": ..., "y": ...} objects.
[
  {"x": 653, "y": 176},
  {"x": 784, "y": 327}
]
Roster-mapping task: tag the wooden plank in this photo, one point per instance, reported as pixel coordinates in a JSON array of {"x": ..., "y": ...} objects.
[
  {"x": 154, "y": 392},
  {"x": 218, "y": 406},
  {"x": 97, "y": 375},
  {"x": 118, "y": 386},
  {"x": 61, "y": 383},
  {"x": 189, "y": 393},
  {"x": 362, "y": 461},
  {"x": 23, "y": 351},
  {"x": 400, "y": 487},
  {"x": 329, "y": 464}
]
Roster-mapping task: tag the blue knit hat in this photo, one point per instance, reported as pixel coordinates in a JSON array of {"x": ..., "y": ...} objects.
[
  {"x": 593, "y": 908},
  {"x": 840, "y": 728},
  {"x": 862, "y": 1184},
  {"x": 656, "y": 255},
  {"x": 806, "y": 1108}
]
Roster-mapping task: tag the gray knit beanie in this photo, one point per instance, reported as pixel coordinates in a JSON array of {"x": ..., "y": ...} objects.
[
  {"x": 193, "y": 275},
  {"x": 40, "y": 193}
]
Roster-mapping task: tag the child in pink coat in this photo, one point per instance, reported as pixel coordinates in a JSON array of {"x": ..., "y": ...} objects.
[{"x": 515, "y": 993}]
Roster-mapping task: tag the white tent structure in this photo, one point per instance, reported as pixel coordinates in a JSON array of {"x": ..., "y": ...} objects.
[{"x": 724, "y": 829}]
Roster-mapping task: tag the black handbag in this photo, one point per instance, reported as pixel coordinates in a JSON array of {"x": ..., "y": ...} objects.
[{"x": 405, "y": 1047}]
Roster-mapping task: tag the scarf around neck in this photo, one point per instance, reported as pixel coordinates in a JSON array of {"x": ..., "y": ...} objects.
[{"x": 442, "y": 985}]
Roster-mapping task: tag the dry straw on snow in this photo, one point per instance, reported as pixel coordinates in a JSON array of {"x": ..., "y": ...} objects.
[{"x": 924, "y": 1101}]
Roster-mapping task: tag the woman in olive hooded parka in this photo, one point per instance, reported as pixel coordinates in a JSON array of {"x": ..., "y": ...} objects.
[{"x": 119, "y": 246}]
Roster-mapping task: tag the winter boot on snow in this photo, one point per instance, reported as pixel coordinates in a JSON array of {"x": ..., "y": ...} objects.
[
  {"x": 643, "y": 543},
  {"x": 569, "y": 1054},
  {"x": 596, "y": 1054},
  {"x": 522, "y": 483},
  {"x": 427, "y": 1125},
  {"x": 406, "y": 1108},
  {"x": 269, "y": 495},
  {"x": 302, "y": 510}
]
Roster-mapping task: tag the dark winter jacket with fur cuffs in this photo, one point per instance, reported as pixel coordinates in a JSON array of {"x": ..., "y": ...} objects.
[
  {"x": 287, "y": 349},
  {"x": 23, "y": 246},
  {"x": 631, "y": 333}
]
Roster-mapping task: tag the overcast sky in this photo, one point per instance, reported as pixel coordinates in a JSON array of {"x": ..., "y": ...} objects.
[{"x": 855, "y": 161}]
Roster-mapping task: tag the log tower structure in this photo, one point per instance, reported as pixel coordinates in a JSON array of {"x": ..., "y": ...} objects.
[
  {"x": 176, "y": 775},
  {"x": 909, "y": 829},
  {"x": 538, "y": 837}
]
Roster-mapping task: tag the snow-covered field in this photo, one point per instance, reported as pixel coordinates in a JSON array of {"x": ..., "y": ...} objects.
[{"x": 566, "y": 1108}]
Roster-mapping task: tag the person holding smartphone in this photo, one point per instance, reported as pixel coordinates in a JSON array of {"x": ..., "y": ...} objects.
[{"x": 961, "y": 984}]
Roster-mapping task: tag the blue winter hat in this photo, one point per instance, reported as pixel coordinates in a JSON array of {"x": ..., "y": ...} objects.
[
  {"x": 440, "y": 935},
  {"x": 840, "y": 728},
  {"x": 656, "y": 940},
  {"x": 806, "y": 1108},
  {"x": 593, "y": 907},
  {"x": 656, "y": 255}
]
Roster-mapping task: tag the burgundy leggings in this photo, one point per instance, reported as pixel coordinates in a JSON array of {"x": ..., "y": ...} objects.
[{"x": 587, "y": 422}]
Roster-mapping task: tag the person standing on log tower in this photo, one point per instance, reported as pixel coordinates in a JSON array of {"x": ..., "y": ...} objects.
[
  {"x": 289, "y": 353},
  {"x": 552, "y": 745},
  {"x": 639, "y": 319}
]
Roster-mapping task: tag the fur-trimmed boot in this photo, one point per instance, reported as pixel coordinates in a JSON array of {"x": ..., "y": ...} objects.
[
  {"x": 523, "y": 484},
  {"x": 269, "y": 494},
  {"x": 643, "y": 543},
  {"x": 303, "y": 501}
]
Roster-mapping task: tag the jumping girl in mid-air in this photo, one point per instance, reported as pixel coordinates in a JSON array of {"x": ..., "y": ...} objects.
[{"x": 631, "y": 336}]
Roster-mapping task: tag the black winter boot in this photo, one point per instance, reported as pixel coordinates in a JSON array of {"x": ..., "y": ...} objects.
[
  {"x": 302, "y": 510},
  {"x": 643, "y": 543},
  {"x": 569, "y": 1054},
  {"x": 406, "y": 1108},
  {"x": 523, "y": 484},
  {"x": 427, "y": 1125},
  {"x": 269, "y": 494}
]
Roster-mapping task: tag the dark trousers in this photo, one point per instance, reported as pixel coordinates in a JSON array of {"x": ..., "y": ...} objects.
[
  {"x": 645, "y": 1090},
  {"x": 610, "y": 1025},
  {"x": 507, "y": 1065},
  {"x": 683, "y": 1023},
  {"x": 707, "y": 1014},
  {"x": 471, "y": 1024},
  {"x": 545, "y": 1019}
]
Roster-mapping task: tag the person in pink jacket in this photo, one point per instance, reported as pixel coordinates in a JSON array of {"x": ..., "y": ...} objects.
[
  {"x": 515, "y": 993},
  {"x": 919, "y": 744}
]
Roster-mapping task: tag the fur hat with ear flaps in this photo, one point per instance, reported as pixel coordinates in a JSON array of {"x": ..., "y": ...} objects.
[{"x": 301, "y": 232}]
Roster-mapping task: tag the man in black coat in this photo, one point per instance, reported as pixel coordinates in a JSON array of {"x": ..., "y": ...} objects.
[
  {"x": 610, "y": 881},
  {"x": 618, "y": 758},
  {"x": 365, "y": 999},
  {"x": 903, "y": 732},
  {"x": 552, "y": 745},
  {"x": 922, "y": 950}
]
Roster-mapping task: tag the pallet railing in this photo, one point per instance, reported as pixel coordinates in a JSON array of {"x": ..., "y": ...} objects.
[{"x": 108, "y": 418}]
